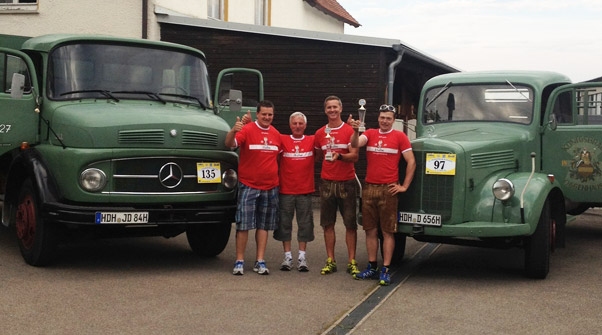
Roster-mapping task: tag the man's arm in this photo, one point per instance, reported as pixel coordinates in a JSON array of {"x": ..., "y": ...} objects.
[{"x": 231, "y": 135}]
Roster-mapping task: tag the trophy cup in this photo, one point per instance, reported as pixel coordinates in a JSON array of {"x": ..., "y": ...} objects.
[
  {"x": 362, "y": 115},
  {"x": 328, "y": 155}
]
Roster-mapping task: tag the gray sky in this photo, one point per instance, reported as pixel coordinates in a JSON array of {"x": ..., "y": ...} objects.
[{"x": 553, "y": 35}]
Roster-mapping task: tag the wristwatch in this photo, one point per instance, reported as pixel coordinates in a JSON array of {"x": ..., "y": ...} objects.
[{"x": 340, "y": 157}]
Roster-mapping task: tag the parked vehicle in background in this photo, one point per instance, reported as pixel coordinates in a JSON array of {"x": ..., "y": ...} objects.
[
  {"x": 503, "y": 158},
  {"x": 110, "y": 137}
]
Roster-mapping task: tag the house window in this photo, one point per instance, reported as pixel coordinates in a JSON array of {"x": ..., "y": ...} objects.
[
  {"x": 16, "y": 6},
  {"x": 261, "y": 12},
  {"x": 215, "y": 9}
]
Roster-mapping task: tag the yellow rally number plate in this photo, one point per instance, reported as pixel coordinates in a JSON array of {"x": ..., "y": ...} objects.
[
  {"x": 208, "y": 173},
  {"x": 442, "y": 164}
]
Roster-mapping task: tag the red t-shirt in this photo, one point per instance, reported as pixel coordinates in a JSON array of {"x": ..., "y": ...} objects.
[
  {"x": 383, "y": 152},
  {"x": 297, "y": 165},
  {"x": 259, "y": 149},
  {"x": 340, "y": 140}
]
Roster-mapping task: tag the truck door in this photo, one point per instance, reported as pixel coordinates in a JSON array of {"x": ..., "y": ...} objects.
[
  {"x": 18, "y": 119},
  {"x": 572, "y": 141},
  {"x": 237, "y": 90}
]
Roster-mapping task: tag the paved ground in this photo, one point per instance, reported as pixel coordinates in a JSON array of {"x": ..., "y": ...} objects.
[{"x": 157, "y": 286}]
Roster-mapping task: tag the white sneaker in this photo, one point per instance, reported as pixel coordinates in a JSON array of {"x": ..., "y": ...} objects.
[
  {"x": 260, "y": 268},
  {"x": 302, "y": 265},
  {"x": 286, "y": 264},
  {"x": 238, "y": 268}
]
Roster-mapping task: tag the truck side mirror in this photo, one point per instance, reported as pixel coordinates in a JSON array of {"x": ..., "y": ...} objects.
[
  {"x": 17, "y": 86},
  {"x": 235, "y": 100}
]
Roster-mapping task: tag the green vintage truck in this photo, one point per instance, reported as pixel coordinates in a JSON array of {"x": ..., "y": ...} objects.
[
  {"x": 503, "y": 160},
  {"x": 109, "y": 137}
]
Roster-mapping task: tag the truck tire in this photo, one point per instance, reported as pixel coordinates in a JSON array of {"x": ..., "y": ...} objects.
[
  {"x": 37, "y": 239},
  {"x": 210, "y": 239},
  {"x": 539, "y": 245}
]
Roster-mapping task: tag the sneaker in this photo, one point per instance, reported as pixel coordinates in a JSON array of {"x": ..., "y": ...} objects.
[
  {"x": 352, "y": 268},
  {"x": 302, "y": 265},
  {"x": 286, "y": 264},
  {"x": 385, "y": 277},
  {"x": 238, "y": 268},
  {"x": 330, "y": 267},
  {"x": 369, "y": 273},
  {"x": 260, "y": 268}
]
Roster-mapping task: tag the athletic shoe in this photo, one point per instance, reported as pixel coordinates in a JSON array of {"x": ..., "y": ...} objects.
[
  {"x": 352, "y": 268},
  {"x": 287, "y": 264},
  {"x": 369, "y": 273},
  {"x": 260, "y": 268},
  {"x": 330, "y": 267},
  {"x": 238, "y": 268},
  {"x": 385, "y": 277},
  {"x": 302, "y": 265}
]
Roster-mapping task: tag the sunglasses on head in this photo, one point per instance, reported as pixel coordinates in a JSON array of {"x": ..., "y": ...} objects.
[{"x": 386, "y": 108}]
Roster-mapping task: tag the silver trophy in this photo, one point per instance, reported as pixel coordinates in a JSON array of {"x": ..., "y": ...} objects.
[
  {"x": 362, "y": 115},
  {"x": 328, "y": 155}
]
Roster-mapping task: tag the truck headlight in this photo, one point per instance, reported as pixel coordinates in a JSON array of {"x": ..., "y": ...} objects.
[
  {"x": 92, "y": 180},
  {"x": 503, "y": 189},
  {"x": 230, "y": 179}
]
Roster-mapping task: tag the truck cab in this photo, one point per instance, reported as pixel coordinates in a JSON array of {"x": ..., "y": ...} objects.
[
  {"x": 105, "y": 136},
  {"x": 503, "y": 159}
]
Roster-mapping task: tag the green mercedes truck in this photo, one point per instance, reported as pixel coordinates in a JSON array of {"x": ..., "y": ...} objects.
[
  {"x": 113, "y": 137},
  {"x": 503, "y": 160}
]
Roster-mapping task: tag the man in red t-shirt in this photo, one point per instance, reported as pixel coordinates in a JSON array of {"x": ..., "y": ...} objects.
[
  {"x": 259, "y": 144},
  {"x": 384, "y": 148},
  {"x": 296, "y": 191},
  {"x": 338, "y": 186}
]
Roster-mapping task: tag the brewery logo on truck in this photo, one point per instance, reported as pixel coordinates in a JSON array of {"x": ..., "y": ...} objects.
[{"x": 584, "y": 170}]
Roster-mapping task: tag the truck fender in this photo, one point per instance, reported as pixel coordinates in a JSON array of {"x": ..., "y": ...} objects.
[
  {"x": 535, "y": 192},
  {"x": 28, "y": 164}
]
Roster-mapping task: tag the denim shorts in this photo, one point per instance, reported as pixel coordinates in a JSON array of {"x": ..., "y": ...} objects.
[
  {"x": 299, "y": 205},
  {"x": 341, "y": 196},
  {"x": 257, "y": 209},
  {"x": 379, "y": 208}
]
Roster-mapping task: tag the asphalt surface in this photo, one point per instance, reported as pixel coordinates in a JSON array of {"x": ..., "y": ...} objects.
[{"x": 158, "y": 286}]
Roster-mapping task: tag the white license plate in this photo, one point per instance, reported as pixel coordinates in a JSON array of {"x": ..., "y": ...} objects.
[
  {"x": 120, "y": 217},
  {"x": 420, "y": 219}
]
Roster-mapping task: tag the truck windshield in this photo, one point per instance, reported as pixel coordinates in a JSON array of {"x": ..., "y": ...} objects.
[
  {"x": 483, "y": 102},
  {"x": 106, "y": 71}
]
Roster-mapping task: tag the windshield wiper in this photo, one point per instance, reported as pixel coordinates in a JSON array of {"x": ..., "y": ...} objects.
[
  {"x": 184, "y": 96},
  {"x": 103, "y": 92},
  {"x": 150, "y": 94},
  {"x": 518, "y": 91},
  {"x": 441, "y": 91}
]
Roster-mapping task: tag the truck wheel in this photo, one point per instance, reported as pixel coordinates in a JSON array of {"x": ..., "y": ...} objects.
[
  {"x": 210, "y": 239},
  {"x": 37, "y": 239},
  {"x": 539, "y": 245}
]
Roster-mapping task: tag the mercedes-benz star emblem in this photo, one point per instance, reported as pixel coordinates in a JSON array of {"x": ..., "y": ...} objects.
[{"x": 170, "y": 175}]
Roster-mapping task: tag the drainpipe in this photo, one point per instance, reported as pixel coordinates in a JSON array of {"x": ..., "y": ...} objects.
[
  {"x": 144, "y": 19},
  {"x": 400, "y": 51}
]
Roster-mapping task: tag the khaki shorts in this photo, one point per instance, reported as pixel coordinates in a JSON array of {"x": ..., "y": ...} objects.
[{"x": 379, "y": 208}]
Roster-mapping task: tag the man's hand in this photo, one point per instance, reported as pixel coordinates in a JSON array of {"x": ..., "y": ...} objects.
[{"x": 247, "y": 118}]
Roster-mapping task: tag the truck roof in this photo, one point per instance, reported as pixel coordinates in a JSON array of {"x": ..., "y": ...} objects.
[
  {"x": 46, "y": 43},
  {"x": 538, "y": 79}
]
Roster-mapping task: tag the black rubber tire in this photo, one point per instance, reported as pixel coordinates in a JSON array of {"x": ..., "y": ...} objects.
[
  {"x": 37, "y": 239},
  {"x": 538, "y": 246},
  {"x": 210, "y": 239}
]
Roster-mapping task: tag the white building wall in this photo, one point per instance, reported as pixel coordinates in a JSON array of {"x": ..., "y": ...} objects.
[
  {"x": 110, "y": 17},
  {"x": 124, "y": 18}
]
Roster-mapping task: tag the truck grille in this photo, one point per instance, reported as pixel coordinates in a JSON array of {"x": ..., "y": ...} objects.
[
  {"x": 432, "y": 194},
  {"x": 500, "y": 159},
  {"x": 158, "y": 175},
  {"x": 157, "y": 136}
]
